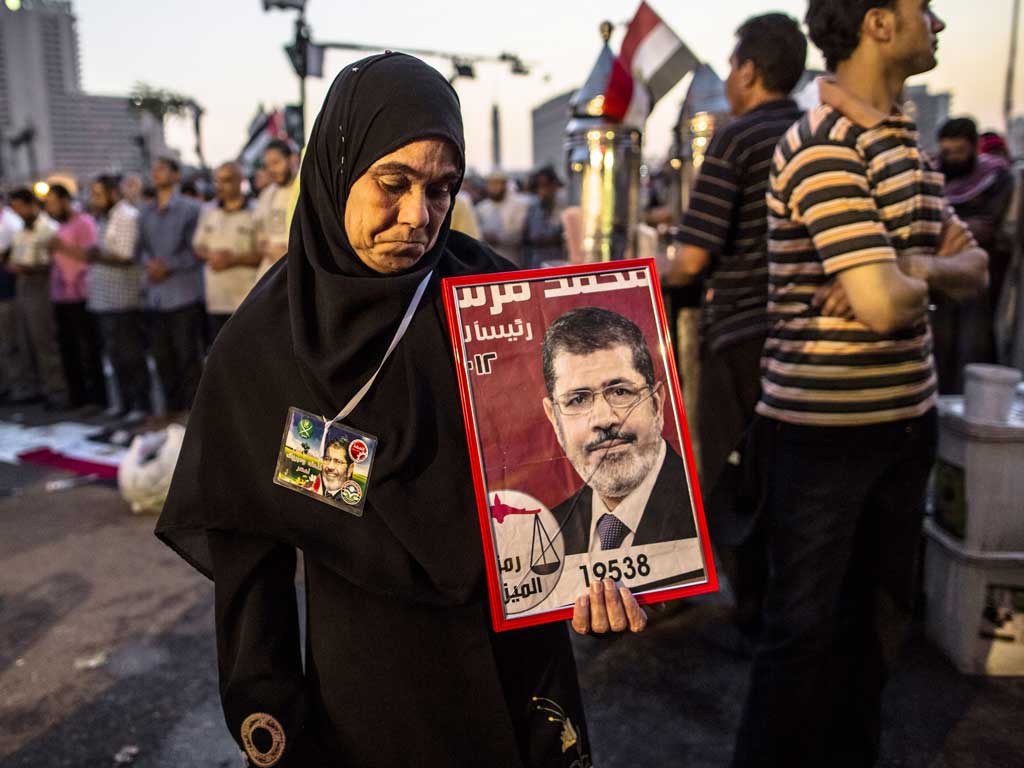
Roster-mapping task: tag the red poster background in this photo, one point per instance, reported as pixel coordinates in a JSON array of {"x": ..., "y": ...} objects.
[{"x": 503, "y": 408}]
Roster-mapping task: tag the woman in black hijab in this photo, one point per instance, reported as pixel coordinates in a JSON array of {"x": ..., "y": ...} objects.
[{"x": 401, "y": 666}]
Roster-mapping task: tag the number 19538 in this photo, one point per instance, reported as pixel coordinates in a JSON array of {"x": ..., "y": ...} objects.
[{"x": 630, "y": 569}]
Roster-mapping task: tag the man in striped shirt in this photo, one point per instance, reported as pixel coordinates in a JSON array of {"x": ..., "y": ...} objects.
[
  {"x": 723, "y": 235},
  {"x": 858, "y": 235}
]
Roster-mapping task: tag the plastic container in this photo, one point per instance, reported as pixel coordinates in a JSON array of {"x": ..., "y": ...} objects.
[
  {"x": 978, "y": 493},
  {"x": 989, "y": 392},
  {"x": 975, "y": 605}
]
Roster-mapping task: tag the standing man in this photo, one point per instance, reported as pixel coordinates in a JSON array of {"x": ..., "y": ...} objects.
[
  {"x": 724, "y": 238},
  {"x": 11, "y": 356},
  {"x": 77, "y": 334},
  {"x": 115, "y": 295},
  {"x": 979, "y": 187},
  {"x": 502, "y": 216},
  {"x": 226, "y": 240},
  {"x": 273, "y": 211},
  {"x": 30, "y": 260},
  {"x": 543, "y": 239},
  {"x": 174, "y": 286},
  {"x": 858, "y": 234}
]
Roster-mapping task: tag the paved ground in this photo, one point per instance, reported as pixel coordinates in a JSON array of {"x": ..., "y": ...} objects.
[{"x": 106, "y": 651}]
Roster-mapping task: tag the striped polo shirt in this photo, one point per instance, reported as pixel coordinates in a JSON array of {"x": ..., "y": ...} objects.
[
  {"x": 842, "y": 195},
  {"x": 726, "y": 217}
]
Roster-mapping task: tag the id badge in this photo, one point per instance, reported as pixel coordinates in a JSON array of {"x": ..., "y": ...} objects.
[{"x": 330, "y": 463}]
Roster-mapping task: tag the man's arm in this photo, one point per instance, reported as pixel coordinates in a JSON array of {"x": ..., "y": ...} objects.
[
  {"x": 829, "y": 193},
  {"x": 690, "y": 262},
  {"x": 120, "y": 242},
  {"x": 713, "y": 203},
  {"x": 183, "y": 257},
  {"x": 959, "y": 269},
  {"x": 199, "y": 240},
  {"x": 883, "y": 298},
  {"x": 82, "y": 243}
]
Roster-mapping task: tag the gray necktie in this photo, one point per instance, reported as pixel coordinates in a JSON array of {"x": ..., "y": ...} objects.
[{"x": 611, "y": 531}]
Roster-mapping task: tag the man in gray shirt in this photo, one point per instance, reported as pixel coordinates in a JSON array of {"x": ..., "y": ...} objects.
[{"x": 174, "y": 286}]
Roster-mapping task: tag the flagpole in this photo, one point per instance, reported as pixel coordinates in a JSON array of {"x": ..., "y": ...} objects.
[{"x": 1011, "y": 67}]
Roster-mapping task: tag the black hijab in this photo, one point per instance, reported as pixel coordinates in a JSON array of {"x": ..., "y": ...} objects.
[{"x": 310, "y": 335}]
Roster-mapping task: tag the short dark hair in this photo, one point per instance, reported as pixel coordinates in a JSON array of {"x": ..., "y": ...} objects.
[
  {"x": 170, "y": 162},
  {"x": 590, "y": 329},
  {"x": 60, "y": 191},
  {"x": 774, "y": 42},
  {"x": 338, "y": 442},
  {"x": 24, "y": 195},
  {"x": 281, "y": 146},
  {"x": 110, "y": 182},
  {"x": 960, "y": 128},
  {"x": 834, "y": 26},
  {"x": 549, "y": 174}
]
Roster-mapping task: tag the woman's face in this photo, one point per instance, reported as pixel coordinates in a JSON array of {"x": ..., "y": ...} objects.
[{"x": 396, "y": 208}]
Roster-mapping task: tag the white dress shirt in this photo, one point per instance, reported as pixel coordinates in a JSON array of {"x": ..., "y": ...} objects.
[{"x": 630, "y": 510}]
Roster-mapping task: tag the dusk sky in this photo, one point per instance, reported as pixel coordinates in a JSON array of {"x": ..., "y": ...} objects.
[{"x": 228, "y": 55}]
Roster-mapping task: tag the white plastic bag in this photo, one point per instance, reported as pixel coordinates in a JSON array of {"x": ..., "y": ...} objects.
[{"x": 144, "y": 475}]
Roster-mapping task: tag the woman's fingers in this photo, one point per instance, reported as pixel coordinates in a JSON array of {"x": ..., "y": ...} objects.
[
  {"x": 581, "y": 615},
  {"x": 636, "y": 615},
  {"x": 598, "y": 611},
  {"x": 617, "y": 620}
]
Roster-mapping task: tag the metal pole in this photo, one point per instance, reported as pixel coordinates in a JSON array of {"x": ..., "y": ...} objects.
[
  {"x": 495, "y": 137},
  {"x": 1011, "y": 67},
  {"x": 302, "y": 37}
]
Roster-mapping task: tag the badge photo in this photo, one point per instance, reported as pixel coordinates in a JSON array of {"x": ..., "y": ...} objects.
[
  {"x": 587, "y": 471},
  {"x": 329, "y": 462}
]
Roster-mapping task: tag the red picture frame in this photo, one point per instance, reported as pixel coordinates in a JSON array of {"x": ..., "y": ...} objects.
[{"x": 501, "y": 420}]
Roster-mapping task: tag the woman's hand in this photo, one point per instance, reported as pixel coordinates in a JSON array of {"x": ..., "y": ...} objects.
[{"x": 607, "y": 607}]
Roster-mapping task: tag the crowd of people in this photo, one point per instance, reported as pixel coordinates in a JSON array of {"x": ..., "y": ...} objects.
[
  {"x": 136, "y": 269},
  {"x": 131, "y": 271}
]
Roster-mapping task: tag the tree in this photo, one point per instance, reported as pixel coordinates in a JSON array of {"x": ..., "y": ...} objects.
[{"x": 162, "y": 103}]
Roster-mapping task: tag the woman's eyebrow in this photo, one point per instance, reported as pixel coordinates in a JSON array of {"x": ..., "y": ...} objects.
[{"x": 387, "y": 169}]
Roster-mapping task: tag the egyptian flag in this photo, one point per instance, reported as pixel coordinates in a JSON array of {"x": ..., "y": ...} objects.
[{"x": 653, "y": 59}]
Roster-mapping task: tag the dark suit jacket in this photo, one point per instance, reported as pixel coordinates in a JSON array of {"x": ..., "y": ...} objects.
[{"x": 668, "y": 515}]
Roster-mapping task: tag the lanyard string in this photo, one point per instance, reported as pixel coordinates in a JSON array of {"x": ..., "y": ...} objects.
[{"x": 402, "y": 328}]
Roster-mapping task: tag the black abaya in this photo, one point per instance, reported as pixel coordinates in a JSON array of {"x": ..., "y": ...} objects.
[{"x": 402, "y": 667}]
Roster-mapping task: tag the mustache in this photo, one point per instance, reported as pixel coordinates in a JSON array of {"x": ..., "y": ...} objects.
[{"x": 606, "y": 436}]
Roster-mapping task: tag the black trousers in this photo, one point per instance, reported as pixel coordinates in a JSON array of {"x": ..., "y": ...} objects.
[
  {"x": 176, "y": 337},
  {"x": 843, "y": 523},
  {"x": 124, "y": 343},
  {"x": 730, "y": 386},
  {"x": 79, "y": 342}
]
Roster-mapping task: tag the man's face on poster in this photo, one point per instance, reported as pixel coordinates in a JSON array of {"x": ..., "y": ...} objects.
[
  {"x": 614, "y": 443},
  {"x": 336, "y": 468}
]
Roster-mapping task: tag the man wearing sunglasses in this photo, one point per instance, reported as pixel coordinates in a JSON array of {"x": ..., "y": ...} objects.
[{"x": 607, "y": 411}]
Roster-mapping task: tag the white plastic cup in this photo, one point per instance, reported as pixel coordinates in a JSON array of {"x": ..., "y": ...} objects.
[{"x": 989, "y": 392}]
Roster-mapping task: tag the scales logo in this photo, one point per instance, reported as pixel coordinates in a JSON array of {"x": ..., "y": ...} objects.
[
  {"x": 358, "y": 451},
  {"x": 529, "y": 550},
  {"x": 305, "y": 429}
]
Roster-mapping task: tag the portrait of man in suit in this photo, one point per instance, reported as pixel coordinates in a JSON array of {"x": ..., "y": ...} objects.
[
  {"x": 337, "y": 468},
  {"x": 607, "y": 409}
]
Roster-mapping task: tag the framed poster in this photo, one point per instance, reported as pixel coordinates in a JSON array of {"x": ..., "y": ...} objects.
[{"x": 580, "y": 453}]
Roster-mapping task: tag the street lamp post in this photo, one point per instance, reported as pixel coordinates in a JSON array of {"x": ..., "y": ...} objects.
[
  {"x": 1011, "y": 67},
  {"x": 298, "y": 51}
]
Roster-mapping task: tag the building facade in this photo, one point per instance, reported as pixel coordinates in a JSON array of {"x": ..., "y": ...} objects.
[
  {"x": 47, "y": 122},
  {"x": 549, "y": 122}
]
